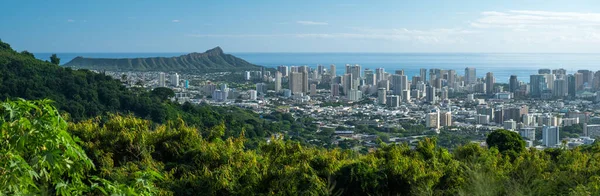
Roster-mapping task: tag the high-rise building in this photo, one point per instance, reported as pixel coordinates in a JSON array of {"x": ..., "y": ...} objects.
[
  {"x": 392, "y": 100},
  {"x": 423, "y": 74},
  {"x": 354, "y": 95},
  {"x": 335, "y": 90},
  {"x": 396, "y": 84},
  {"x": 347, "y": 83},
  {"x": 161, "y": 79},
  {"x": 544, "y": 71},
  {"x": 247, "y": 75},
  {"x": 370, "y": 77},
  {"x": 446, "y": 119},
  {"x": 596, "y": 81},
  {"x": 560, "y": 88},
  {"x": 527, "y": 132},
  {"x": 483, "y": 119},
  {"x": 253, "y": 94},
  {"x": 489, "y": 83},
  {"x": 332, "y": 70},
  {"x": 295, "y": 82},
  {"x": 430, "y": 94},
  {"x": 470, "y": 75},
  {"x": 381, "y": 96},
  {"x": 513, "y": 85},
  {"x": 588, "y": 76},
  {"x": 452, "y": 78},
  {"x": 550, "y": 136},
  {"x": 384, "y": 84},
  {"x": 537, "y": 85},
  {"x": 304, "y": 68},
  {"x": 579, "y": 81},
  {"x": 379, "y": 74},
  {"x": 432, "y": 120},
  {"x": 320, "y": 69},
  {"x": 510, "y": 125},
  {"x": 304, "y": 81},
  {"x": 354, "y": 70},
  {"x": 572, "y": 85},
  {"x": 261, "y": 88},
  {"x": 313, "y": 89},
  {"x": 283, "y": 70},
  {"x": 560, "y": 71},
  {"x": 399, "y": 72},
  {"x": 444, "y": 93},
  {"x": 406, "y": 96},
  {"x": 278, "y": 76}
]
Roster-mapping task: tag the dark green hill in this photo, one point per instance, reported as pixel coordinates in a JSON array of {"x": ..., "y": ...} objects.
[{"x": 212, "y": 60}]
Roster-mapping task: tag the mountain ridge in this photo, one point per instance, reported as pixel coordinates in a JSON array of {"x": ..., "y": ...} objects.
[{"x": 212, "y": 60}]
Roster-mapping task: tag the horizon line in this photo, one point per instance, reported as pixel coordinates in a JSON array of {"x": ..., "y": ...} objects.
[{"x": 327, "y": 52}]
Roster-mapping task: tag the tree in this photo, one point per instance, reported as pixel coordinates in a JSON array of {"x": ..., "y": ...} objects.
[
  {"x": 54, "y": 59},
  {"x": 163, "y": 93},
  {"x": 506, "y": 141}
]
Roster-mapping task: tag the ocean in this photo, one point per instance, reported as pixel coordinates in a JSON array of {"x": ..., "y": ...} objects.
[{"x": 501, "y": 64}]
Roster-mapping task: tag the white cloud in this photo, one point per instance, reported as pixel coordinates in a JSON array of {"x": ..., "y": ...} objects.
[
  {"x": 306, "y": 22},
  {"x": 441, "y": 36},
  {"x": 70, "y": 20},
  {"x": 175, "y": 21},
  {"x": 542, "y": 27}
]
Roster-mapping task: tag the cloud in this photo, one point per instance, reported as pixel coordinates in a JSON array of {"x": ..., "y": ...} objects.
[
  {"x": 175, "y": 21},
  {"x": 541, "y": 27},
  {"x": 306, "y": 22},
  {"x": 70, "y": 20},
  {"x": 439, "y": 36}
]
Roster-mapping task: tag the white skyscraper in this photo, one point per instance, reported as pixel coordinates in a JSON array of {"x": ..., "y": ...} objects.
[
  {"x": 174, "y": 80},
  {"x": 278, "y": 81},
  {"x": 381, "y": 96},
  {"x": 161, "y": 79},
  {"x": 550, "y": 136}
]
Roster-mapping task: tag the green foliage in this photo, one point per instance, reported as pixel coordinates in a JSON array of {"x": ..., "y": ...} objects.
[
  {"x": 39, "y": 156},
  {"x": 54, "y": 59},
  {"x": 163, "y": 93},
  {"x": 506, "y": 141}
]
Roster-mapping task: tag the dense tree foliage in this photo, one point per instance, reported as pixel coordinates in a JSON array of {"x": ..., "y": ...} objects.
[
  {"x": 115, "y": 154},
  {"x": 506, "y": 141},
  {"x": 54, "y": 59}
]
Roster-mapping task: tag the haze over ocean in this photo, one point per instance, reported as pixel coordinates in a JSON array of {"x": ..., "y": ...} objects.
[{"x": 501, "y": 64}]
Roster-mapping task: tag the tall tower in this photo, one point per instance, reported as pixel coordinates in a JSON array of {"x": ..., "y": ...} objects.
[
  {"x": 332, "y": 71},
  {"x": 452, "y": 78},
  {"x": 161, "y": 79},
  {"x": 489, "y": 83},
  {"x": 513, "y": 84},
  {"x": 537, "y": 85},
  {"x": 423, "y": 74},
  {"x": 370, "y": 78},
  {"x": 381, "y": 96},
  {"x": 470, "y": 75},
  {"x": 295, "y": 82},
  {"x": 430, "y": 94},
  {"x": 305, "y": 81},
  {"x": 278, "y": 81},
  {"x": 379, "y": 73}
]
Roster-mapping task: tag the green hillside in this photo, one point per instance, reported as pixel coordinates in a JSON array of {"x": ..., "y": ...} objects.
[{"x": 212, "y": 60}]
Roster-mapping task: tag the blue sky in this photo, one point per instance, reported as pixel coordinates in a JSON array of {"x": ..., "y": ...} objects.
[{"x": 302, "y": 26}]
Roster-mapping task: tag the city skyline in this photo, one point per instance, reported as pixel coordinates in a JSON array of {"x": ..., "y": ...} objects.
[{"x": 313, "y": 26}]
